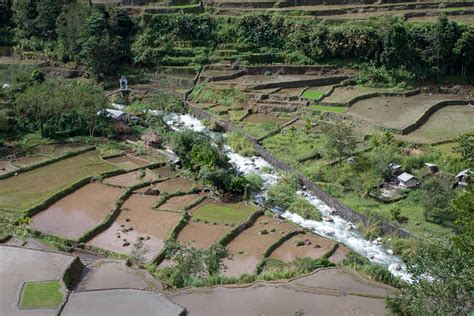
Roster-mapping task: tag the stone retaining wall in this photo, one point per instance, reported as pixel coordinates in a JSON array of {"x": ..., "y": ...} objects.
[
  {"x": 302, "y": 83},
  {"x": 426, "y": 115},
  {"x": 341, "y": 209}
]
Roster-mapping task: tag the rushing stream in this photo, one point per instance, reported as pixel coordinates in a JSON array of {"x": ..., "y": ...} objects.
[{"x": 339, "y": 229}]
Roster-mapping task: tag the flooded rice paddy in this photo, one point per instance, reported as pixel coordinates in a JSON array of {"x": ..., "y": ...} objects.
[
  {"x": 132, "y": 178},
  {"x": 128, "y": 162},
  {"x": 247, "y": 247},
  {"x": 273, "y": 299},
  {"x": 78, "y": 212},
  {"x": 201, "y": 234},
  {"x": 138, "y": 221},
  {"x": 314, "y": 248},
  {"x": 178, "y": 203}
]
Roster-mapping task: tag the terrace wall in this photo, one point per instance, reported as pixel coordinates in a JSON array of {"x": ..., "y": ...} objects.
[
  {"x": 341, "y": 209},
  {"x": 426, "y": 115},
  {"x": 302, "y": 83}
]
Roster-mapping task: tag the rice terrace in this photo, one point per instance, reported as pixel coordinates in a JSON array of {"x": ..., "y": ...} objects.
[{"x": 229, "y": 157}]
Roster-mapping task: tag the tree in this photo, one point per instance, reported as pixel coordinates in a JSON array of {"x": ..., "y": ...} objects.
[
  {"x": 105, "y": 40},
  {"x": 54, "y": 107},
  {"x": 435, "y": 198},
  {"x": 464, "y": 50},
  {"x": 463, "y": 211},
  {"x": 465, "y": 147},
  {"x": 340, "y": 142},
  {"x": 36, "y": 19},
  {"x": 442, "y": 40},
  {"x": 69, "y": 29},
  {"x": 6, "y": 22},
  {"x": 442, "y": 284},
  {"x": 442, "y": 274}
]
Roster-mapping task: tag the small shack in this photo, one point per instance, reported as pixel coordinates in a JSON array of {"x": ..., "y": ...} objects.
[
  {"x": 152, "y": 139},
  {"x": 172, "y": 157},
  {"x": 396, "y": 169},
  {"x": 407, "y": 180},
  {"x": 431, "y": 167},
  {"x": 464, "y": 178},
  {"x": 116, "y": 115}
]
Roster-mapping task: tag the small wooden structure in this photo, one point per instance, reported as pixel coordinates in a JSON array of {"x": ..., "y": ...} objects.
[
  {"x": 464, "y": 178},
  {"x": 407, "y": 180},
  {"x": 152, "y": 139},
  {"x": 432, "y": 168},
  {"x": 396, "y": 169}
]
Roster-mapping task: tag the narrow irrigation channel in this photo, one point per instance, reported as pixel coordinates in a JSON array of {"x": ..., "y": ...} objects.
[{"x": 339, "y": 229}]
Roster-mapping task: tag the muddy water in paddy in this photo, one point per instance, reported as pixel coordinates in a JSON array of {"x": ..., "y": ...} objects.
[
  {"x": 132, "y": 178},
  {"x": 346, "y": 281},
  {"x": 6, "y": 167},
  {"x": 248, "y": 246},
  {"x": 273, "y": 299},
  {"x": 177, "y": 203},
  {"x": 202, "y": 235},
  {"x": 172, "y": 185},
  {"x": 78, "y": 212},
  {"x": 289, "y": 250},
  {"x": 165, "y": 172},
  {"x": 145, "y": 222},
  {"x": 128, "y": 162},
  {"x": 340, "y": 254}
]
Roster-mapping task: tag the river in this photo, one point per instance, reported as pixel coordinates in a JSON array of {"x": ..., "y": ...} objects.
[{"x": 339, "y": 229}]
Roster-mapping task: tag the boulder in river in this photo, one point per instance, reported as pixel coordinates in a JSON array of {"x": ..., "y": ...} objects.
[{"x": 397, "y": 267}]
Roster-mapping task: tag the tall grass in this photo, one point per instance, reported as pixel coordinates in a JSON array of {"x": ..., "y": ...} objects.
[
  {"x": 226, "y": 97},
  {"x": 240, "y": 144}
]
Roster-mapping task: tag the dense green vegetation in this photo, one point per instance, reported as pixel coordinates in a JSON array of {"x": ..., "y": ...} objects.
[
  {"x": 442, "y": 274},
  {"x": 41, "y": 295},
  {"x": 283, "y": 195},
  {"x": 101, "y": 38},
  {"x": 210, "y": 164}
]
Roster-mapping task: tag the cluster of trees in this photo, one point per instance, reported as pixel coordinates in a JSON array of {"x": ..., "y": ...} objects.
[
  {"x": 101, "y": 38},
  {"x": 98, "y": 38},
  {"x": 199, "y": 154},
  {"x": 401, "y": 49},
  {"x": 442, "y": 275},
  {"x": 54, "y": 108}
]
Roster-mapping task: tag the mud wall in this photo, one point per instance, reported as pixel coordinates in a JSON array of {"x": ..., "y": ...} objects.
[{"x": 341, "y": 209}]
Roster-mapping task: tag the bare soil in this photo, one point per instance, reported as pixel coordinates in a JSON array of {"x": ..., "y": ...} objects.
[
  {"x": 289, "y": 251},
  {"x": 396, "y": 112},
  {"x": 248, "y": 247},
  {"x": 138, "y": 220},
  {"x": 202, "y": 235},
  {"x": 78, "y": 212}
]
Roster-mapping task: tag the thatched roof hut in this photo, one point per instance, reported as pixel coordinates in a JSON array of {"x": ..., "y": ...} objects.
[{"x": 152, "y": 139}]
